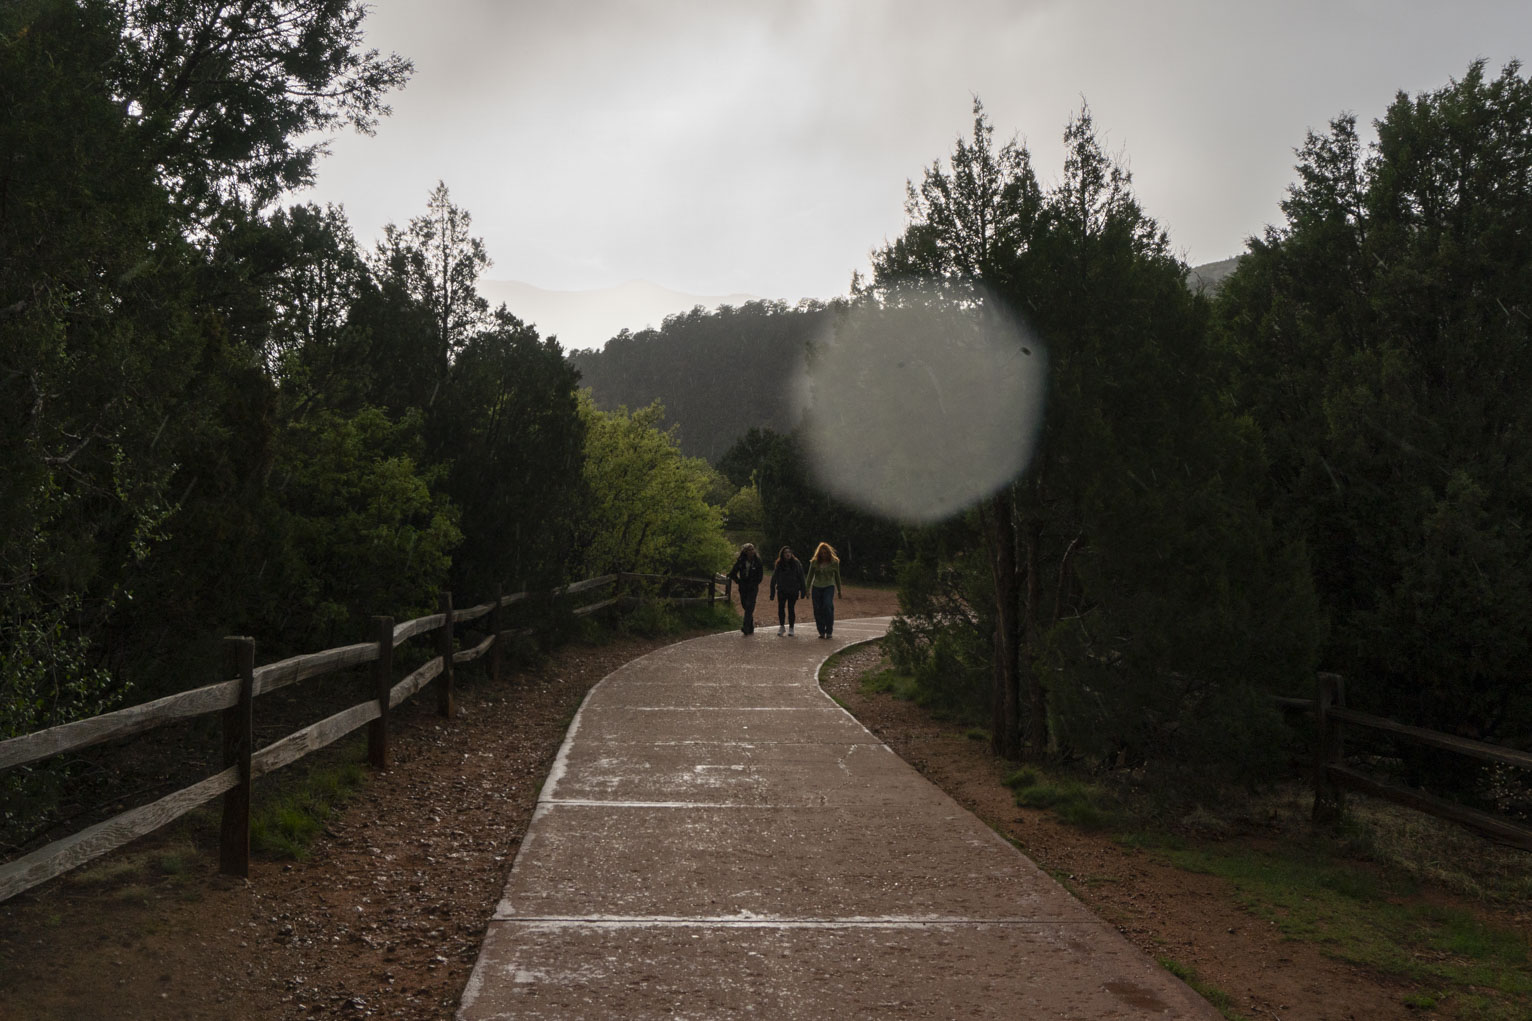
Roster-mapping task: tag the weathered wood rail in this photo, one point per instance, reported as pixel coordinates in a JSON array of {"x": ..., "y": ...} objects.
[
  {"x": 1332, "y": 775},
  {"x": 235, "y": 699}
]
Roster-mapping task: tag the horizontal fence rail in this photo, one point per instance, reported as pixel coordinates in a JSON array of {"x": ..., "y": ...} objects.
[
  {"x": 1331, "y": 774},
  {"x": 234, "y": 699}
]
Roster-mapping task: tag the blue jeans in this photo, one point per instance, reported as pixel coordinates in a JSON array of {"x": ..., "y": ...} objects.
[{"x": 823, "y": 597}]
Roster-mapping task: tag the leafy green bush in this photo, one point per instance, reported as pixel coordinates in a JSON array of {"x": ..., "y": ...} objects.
[
  {"x": 744, "y": 511},
  {"x": 648, "y": 509}
]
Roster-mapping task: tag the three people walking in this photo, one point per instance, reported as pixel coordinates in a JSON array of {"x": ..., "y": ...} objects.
[{"x": 789, "y": 580}]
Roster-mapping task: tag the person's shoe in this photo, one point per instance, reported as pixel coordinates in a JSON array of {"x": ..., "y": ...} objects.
[
  {"x": 781, "y": 630},
  {"x": 789, "y": 631}
]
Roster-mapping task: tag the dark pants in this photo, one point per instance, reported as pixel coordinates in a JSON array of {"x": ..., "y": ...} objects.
[
  {"x": 787, "y": 608},
  {"x": 747, "y": 603},
  {"x": 823, "y": 597}
]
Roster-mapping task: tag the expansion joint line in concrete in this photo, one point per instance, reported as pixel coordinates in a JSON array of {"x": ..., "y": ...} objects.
[
  {"x": 732, "y": 709},
  {"x": 737, "y": 922},
  {"x": 590, "y": 803}
]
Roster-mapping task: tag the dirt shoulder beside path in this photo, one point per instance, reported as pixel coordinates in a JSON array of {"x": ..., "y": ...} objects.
[{"x": 1192, "y": 919}]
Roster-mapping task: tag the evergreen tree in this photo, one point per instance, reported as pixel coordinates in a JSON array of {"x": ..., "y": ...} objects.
[
  {"x": 1383, "y": 339},
  {"x": 510, "y": 427},
  {"x": 435, "y": 263},
  {"x": 1141, "y": 598}
]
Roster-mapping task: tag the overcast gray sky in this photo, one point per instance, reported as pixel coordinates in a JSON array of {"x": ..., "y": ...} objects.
[{"x": 714, "y": 146}]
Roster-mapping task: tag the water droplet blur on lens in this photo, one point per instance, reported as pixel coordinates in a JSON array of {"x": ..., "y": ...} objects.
[{"x": 920, "y": 406}]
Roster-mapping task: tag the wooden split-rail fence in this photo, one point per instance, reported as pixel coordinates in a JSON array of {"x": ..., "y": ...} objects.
[
  {"x": 235, "y": 699},
  {"x": 1332, "y": 774}
]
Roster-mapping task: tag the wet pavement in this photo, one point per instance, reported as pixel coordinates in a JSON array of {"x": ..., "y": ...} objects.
[{"x": 718, "y": 838}]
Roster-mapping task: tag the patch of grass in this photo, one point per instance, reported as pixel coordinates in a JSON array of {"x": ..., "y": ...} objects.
[
  {"x": 135, "y": 894},
  {"x": 1066, "y": 880},
  {"x": 891, "y": 682},
  {"x": 1152, "y": 840},
  {"x": 1217, "y": 997},
  {"x": 1420, "y": 1001},
  {"x": 285, "y": 824},
  {"x": 1435, "y": 851},
  {"x": 1022, "y": 779},
  {"x": 1377, "y": 920},
  {"x": 976, "y": 734},
  {"x": 1082, "y": 805},
  {"x": 177, "y": 860},
  {"x": 106, "y": 871}
]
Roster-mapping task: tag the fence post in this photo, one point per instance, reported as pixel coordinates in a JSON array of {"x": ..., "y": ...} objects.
[
  {"x": 238, "y": 743},
  {"x": 444, "y": 694},
  {"x": 494, "y": 630},
  {"x": 383, "y": 682},
  {"x": 1329, "y": 750},
  {"x": 712, "y": 588}
]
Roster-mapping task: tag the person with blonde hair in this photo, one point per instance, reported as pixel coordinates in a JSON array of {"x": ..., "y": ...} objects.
[
  {"x": 787, "y": 584},
  {"x": 824, "y": 586}
]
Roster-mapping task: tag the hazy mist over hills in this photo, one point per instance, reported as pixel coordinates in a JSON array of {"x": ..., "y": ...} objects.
[
  {"x": 588, "y": 319},
  {"x": 584, "y": 319}
]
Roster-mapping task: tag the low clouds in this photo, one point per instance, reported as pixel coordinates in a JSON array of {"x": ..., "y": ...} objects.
[{"x": 763, "y": 148}]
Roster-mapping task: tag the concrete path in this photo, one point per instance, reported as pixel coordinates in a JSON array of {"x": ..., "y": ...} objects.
[{"x": 719, "y": 839}]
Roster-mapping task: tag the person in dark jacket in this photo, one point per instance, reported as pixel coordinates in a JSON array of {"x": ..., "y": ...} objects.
[
  {"x": 787, "y": 584},
  {"x": 746, "y": 573}
]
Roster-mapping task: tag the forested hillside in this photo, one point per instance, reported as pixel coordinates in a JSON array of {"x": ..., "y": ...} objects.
[
  {"x": 721, "y": 373},
  {"x": 718, "y": 373}
]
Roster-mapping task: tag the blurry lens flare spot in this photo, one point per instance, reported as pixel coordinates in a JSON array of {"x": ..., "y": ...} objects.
[{"x": 919, "y": 406}]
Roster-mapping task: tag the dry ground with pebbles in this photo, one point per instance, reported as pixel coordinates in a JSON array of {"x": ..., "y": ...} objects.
[
  {"x": 1191, "y": 918},
  {"x": 384, "y": 917}
]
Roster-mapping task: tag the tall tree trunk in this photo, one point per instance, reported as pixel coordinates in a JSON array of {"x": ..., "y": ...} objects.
[
  {"x": 1006, "y": 706},
  {"x": 1036, "y": 747}
]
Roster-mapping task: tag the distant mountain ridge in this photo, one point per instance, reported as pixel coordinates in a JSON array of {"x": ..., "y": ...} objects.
[
  {"x": 1209, "y": 276},
  {"x": 588, "y": 319},
  {"x": 720, "y": 374}
]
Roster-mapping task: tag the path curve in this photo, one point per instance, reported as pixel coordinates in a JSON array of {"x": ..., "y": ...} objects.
[{"x": 718, "y": 838}]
